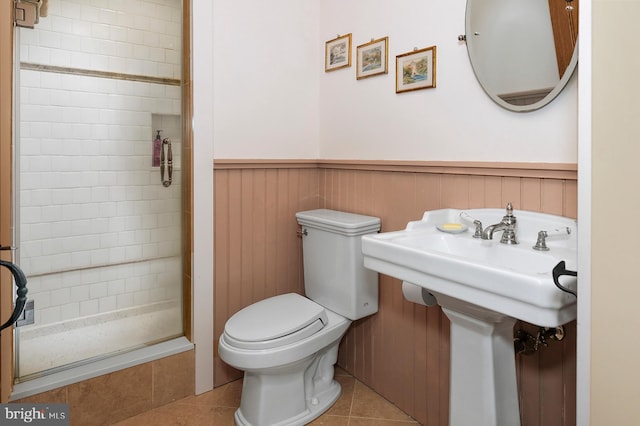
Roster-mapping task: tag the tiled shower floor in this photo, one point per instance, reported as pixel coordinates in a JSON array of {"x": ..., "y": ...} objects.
[
  {"x": 358, "y": 405},
  {"x": 51, "y": 346}
]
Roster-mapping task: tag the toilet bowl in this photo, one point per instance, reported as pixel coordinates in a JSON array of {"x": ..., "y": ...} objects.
[
  {"x": 275, "y": 389},
  {"x": 287, "y": 345}
]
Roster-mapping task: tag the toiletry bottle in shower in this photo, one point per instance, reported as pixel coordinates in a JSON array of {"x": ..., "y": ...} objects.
[{"x": 157, "y": 148}]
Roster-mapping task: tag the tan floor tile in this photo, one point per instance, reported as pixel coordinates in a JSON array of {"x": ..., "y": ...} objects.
[
  {"x": 358, "y": 421},
  {"x": 224, "y": 396},
  {"x": 369, "y": 404},
  {"x": 329, "y": 420},
  {"x": 224, "y": 416},
  {"x": 358, "y": 405},
  {"x": 175, "y": 414}
]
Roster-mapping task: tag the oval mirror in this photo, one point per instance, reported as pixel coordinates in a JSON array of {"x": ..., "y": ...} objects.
[{"x": 523, "y": 53}]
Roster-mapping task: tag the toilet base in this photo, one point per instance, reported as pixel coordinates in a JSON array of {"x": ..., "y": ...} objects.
[
  {"x": 311, "y": 413},
  {"x": 291, "y": 395}
]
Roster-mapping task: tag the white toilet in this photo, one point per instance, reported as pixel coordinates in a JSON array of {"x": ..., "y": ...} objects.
[{"x": 287, "y": 345}]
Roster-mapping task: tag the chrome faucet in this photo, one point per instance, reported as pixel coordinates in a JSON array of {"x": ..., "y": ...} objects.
[{"x": 507, "y": 225}]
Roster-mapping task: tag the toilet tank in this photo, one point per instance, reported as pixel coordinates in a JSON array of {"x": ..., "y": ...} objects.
[{"x": 334, "y": 272}]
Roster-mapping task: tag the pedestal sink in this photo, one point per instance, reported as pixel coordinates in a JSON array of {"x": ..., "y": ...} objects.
[{"x": 484, "y": 287}]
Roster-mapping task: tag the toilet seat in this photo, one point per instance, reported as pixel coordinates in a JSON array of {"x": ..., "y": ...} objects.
[{"x": 275, "y": 322}]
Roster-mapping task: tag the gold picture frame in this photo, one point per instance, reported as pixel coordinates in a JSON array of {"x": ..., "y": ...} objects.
[
  {"x": 372, "y": 58},
  {"x": 337, "y": 53},
  {"x": 416, "y": 70}
]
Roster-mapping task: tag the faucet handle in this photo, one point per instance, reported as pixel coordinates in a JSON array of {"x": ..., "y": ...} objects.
[
  {"x": 476, "y": 223},
  {"x": 541, "y": 242},
  {"x": 478, "y": 231}
]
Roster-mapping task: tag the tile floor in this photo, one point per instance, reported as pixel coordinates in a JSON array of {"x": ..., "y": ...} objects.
[{"x": 358, "y": 405}]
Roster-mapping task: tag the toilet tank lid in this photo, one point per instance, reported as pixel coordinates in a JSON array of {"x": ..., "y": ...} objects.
[
  {"x": 274, "y": 317},
  {"x": 339, "y": 222}
]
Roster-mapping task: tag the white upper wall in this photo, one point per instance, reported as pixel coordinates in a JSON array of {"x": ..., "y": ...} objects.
[
  {"x": 274, "y": 100},
  {"x": 266, "y": 79}
]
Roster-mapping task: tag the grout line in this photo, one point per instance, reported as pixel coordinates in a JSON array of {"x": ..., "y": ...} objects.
[{"x": 353, "y": 397}]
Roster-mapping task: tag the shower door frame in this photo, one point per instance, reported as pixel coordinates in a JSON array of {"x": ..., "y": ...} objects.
[
  {"x": 6, "y": 183},
  {"x": 6, "y": 179}
]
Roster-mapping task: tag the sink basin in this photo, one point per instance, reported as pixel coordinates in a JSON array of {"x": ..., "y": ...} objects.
[
  {"x": 514, "y": 280},
  {"x": 483, "y": 286}
]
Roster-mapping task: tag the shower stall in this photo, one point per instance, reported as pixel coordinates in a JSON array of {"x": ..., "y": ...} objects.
[{"x": 99, "y": 218}]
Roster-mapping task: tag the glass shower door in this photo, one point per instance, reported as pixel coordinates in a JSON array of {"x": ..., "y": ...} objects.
[{"x": 100, "y": 218}]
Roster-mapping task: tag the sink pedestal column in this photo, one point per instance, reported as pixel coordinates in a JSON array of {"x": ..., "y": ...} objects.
[{"x": 484, "y": 390}]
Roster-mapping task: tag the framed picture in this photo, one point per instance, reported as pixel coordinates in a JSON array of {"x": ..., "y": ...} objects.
[
  {"x": 337, "y": 53},
  {"x": 416, "y": 70},
  {"x": 372, "y": 58}
]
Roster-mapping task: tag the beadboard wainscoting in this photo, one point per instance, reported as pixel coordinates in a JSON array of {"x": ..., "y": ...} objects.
[{"x": 402, "y": 352}]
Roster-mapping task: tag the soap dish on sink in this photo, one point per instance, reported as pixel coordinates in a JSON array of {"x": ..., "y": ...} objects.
[{"x": 452, "y": 228}]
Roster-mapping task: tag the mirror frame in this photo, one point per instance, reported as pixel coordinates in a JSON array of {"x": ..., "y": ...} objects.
[{"x": 568, "y": 74}]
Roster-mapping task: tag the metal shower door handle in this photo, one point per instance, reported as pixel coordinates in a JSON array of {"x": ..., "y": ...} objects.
[
  {"x": 21, "y": 299},
  {"x": 166, "y": 162},
  {"x": 559, "y": 270}
]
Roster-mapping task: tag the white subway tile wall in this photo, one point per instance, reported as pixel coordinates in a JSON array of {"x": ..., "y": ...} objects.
[
  {"x": 98, "y": 231},
  {"x": 141, "y": 37}
]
